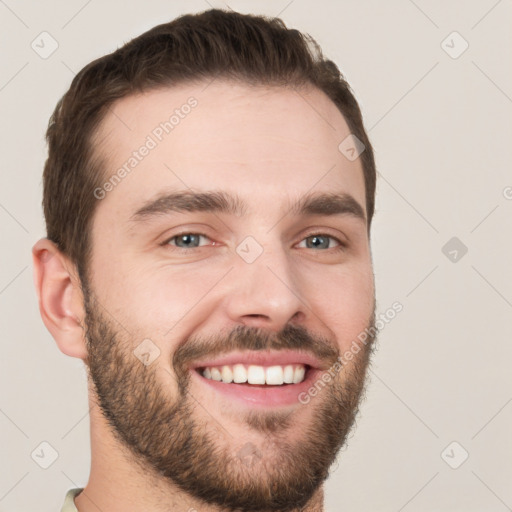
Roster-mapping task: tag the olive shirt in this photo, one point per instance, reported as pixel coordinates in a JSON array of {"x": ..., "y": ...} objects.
[{"x": 69, "y": 503}]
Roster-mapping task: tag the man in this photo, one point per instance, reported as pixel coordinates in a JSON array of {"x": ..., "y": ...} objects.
[{"x": 208, "y": 196}]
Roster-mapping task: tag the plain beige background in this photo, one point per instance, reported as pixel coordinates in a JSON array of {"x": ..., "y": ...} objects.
[{"x": 440, "y": 121}]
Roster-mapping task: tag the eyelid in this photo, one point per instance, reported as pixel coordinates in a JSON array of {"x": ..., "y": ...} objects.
[{"x": 319, "y": 231}]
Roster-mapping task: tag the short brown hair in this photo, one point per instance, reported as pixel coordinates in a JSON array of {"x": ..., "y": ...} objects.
[{"x": 254, "y": 49}]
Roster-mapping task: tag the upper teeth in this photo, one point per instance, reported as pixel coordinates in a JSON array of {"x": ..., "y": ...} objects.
[{"x": 253, "y": 374}]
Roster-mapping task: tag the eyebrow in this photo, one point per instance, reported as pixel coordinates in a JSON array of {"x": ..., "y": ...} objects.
[{"x": 221, "y": 202}]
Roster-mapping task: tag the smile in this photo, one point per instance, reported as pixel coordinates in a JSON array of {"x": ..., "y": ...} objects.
[
  {"x": 253, "y": 374},
  {"x": 259, "y": 379}
]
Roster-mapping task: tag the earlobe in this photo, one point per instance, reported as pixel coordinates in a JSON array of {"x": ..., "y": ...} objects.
[{"x": 60, "y": 298}]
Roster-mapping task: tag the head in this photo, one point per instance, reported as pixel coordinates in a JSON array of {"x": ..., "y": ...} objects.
[{"x": 208, "y": 197}]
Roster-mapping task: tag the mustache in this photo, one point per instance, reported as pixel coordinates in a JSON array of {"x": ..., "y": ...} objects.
[{"x": 243, "y": 337}]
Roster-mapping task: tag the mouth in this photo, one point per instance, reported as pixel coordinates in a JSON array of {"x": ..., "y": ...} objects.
[
  {"x": 260, "y": 379},
  {"x": 255, "y": 375}
]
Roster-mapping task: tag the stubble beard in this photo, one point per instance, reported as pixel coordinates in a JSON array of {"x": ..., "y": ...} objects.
[{"x": 176, "y": 444}]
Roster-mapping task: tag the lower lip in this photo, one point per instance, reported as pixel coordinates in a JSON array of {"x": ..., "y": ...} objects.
[{"x": 264, "y": 396}]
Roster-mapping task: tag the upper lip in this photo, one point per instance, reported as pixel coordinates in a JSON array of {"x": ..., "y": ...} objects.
[{"x": 262, "y": 358}]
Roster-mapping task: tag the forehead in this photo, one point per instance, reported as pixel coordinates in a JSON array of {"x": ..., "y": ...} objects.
[{"x": 266, "y": 144}]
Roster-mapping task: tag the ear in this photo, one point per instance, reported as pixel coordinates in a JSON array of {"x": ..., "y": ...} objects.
[{"x": 60, "y": 298}]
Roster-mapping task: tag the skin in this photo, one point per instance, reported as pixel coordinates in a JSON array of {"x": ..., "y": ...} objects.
[{"x": 268, "y": 146}]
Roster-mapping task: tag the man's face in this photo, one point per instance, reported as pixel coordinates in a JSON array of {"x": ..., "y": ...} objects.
[{"x": 185, "y": 291}]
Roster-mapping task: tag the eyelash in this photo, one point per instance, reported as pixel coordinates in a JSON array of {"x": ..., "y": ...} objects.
[{"x": 340, "y": 247}]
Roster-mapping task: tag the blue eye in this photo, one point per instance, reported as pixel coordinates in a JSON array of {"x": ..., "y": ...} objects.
[
  {"x": 193, "y": 241},
  {"x": 320, "y": 242},
  {"x": 186, "y": 240}
]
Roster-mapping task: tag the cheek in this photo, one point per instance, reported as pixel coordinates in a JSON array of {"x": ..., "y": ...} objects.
[
  {"x": 162, "y": 301},
  {"x": 345, "y": 302}
]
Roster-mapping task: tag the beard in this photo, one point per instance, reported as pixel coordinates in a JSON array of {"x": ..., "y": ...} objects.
[{"x": 167, "y": 438}]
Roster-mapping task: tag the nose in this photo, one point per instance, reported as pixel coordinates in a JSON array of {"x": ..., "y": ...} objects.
[{"x": 265, "y": 293}]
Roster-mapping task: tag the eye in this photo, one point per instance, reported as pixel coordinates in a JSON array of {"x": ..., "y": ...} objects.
[
  {"x": 193, "y": 240},
  {"x": 320, "y": 241},
  {"x": 186, "y": 240}
]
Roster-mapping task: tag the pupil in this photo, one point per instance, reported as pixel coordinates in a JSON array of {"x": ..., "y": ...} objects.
[
  {"x": 188, "y": 240},
  {"x": 319, "y": 241}
]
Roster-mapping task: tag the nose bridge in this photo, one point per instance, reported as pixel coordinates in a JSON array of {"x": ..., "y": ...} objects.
[{"x": 265, "y": 290}]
